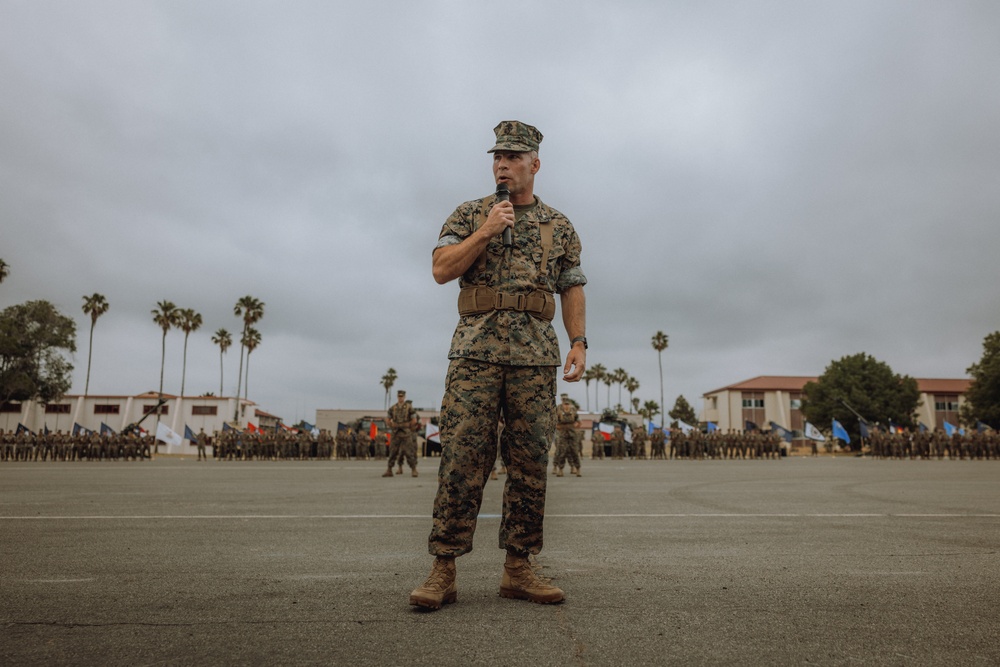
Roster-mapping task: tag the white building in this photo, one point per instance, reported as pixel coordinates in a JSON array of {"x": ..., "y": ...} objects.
[{"x": 117, "y": 412}]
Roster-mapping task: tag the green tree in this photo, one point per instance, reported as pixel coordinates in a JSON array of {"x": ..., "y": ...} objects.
[
  {"x": 188, "y": 321},
  {"x": 165, "y": 315},
  {"x": 224, "y": 340},
  {"x": 4, "y": 270},
  {"x": 94, "y": 305},
  {"x": 860, "y": 383},
  {"x": 33, "y": 336},
  {"x": 631, "y": 386},
  {"x": 982, "y": 400},
  {"x": 387, "y": 381},
  {"x": 660, "y": 343},
  {"x": 251, "y": 310},
  {"x": 683, "y": 411},
  {"x": 251, "y": 341},
  {"x": 650, "y": 409}
]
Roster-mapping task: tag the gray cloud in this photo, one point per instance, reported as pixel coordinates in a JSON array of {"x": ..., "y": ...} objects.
[{"x": 773, "y": 184}]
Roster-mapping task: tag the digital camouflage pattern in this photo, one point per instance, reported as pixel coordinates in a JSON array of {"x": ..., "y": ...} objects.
[
  {"x": 513, "y": 135},
  {"x": 513, "y": 337},
  {"x": 566, "y": 419},
  {"x": 470, "y": 414}
]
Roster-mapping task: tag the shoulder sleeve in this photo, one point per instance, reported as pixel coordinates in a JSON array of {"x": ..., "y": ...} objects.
[
  {"x": 458, "y": 226},
  {"x": 570, "y": 272}
]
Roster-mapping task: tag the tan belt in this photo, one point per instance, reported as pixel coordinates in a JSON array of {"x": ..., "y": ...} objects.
[{"x": 480, "y": 299}]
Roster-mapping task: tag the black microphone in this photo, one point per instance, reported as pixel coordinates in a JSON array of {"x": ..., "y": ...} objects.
[{"x": 503, "y": 194}]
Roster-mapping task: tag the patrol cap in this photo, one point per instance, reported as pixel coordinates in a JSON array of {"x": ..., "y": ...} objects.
[
  {"x": 513, "y": 135},
  {"x": 400, "y": 393},
  {"x": 564, "y": 397}
]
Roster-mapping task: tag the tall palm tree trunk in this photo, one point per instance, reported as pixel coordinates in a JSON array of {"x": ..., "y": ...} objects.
[
  {"x": 90, "y": 354},
  {"x": 184, "y": 365}
]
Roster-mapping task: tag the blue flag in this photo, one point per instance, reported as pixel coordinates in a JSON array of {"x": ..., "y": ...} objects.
[
  {"x": 21, "y": 428},
  {"x": 106, "y": 430},
  {"x": 981, "y": 427},
  {"x": 840, "y": 432},
  {"x": 307, "y": 426},
  {"x": 783, "y": 432},
  {"x": 227, "y": 427},
  {"x": 341, "y": 427},
  {"x": 865, "y": 433},
  {"x": 189, "y": 434},
  {"x": 749, "y": 426},
  {"x": 712, "y": 426},
  {"x": 949, "y": 429}
]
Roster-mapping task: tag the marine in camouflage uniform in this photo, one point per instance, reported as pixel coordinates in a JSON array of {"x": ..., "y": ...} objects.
[
  {"x": 504, "y": 355},
  {"x": 402, "y": 419},
  {"x": 567, "y": 420}
]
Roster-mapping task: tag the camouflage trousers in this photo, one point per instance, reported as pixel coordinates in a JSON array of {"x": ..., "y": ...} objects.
[
  {"x": 566, "y": 449},
  {"x": 477, "y": 394},
  {"x": 403, "y": 445}
]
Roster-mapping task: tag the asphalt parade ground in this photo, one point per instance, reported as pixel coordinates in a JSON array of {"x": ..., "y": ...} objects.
[{"x": 798, "y": 561}]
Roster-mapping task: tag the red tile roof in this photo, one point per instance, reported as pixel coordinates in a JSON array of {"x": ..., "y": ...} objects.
[{"x": 797, "y": 382}]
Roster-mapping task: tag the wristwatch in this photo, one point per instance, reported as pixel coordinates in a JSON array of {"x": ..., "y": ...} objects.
[{"x": 578, "y": 339}]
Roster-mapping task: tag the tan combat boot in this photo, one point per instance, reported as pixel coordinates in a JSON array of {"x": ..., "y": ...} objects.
[
  {"x": 520, "y": 582},
  {"x": 413, "y": 473},
  {"x": 439, "y": 588},
  {"x": 387, "y": 473}
]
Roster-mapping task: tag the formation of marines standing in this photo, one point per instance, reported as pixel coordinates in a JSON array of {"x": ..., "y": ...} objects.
[{"x": 60, "y": 446}]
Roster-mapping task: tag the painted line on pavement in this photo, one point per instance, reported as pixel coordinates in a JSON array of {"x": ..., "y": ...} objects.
[{"x": 245, "y": 517}]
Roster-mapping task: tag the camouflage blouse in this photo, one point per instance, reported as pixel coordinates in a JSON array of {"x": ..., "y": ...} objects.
[{"x": 511, "y": 337}]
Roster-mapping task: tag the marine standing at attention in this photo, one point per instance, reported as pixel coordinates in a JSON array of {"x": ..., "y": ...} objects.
[{"x": 503, "y": 360}]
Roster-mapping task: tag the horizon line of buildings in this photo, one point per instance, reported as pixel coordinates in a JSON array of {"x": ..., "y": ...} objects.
[{"x": 760, "y": 400}]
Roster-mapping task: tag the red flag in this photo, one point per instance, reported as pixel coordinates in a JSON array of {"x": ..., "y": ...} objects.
[{"x": 373, "y": 431}]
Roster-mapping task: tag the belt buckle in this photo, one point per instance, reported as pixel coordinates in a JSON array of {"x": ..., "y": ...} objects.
[{"x": 506, "y": 301}]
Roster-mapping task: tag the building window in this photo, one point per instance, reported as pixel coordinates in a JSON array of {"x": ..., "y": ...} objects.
[
  {"x": 11, "y": 407},
  {"x": 106, "y": 409},
  {"x": 204, "y": 410},
  {"x": 57, "y": 409},
  {"x": 946, "y": 406},
  {"x": 796, "y": 403},
  {"x": 751, "y": 403},
  {"x": 151, "y": 409}
]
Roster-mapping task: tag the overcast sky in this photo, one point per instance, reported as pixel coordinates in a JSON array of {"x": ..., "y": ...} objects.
[{"x": 772, "y": 184}]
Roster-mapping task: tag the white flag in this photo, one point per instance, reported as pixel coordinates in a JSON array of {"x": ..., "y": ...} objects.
[
  {"x": 165, "y": 434},
  {"x": 687, "y": 428},
  {"x": 433, "y": 433},
  {"x": 813, "y": 433},
  {"x": 628, "y": 434}
]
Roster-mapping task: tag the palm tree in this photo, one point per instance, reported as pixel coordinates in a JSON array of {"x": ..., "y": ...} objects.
[
  {"x": 660, "y": 341},
  {"x": 631, "y": 385},
  {"x": 588, "y": 376},
  {"x": 251, "y": 341},
  {"x": 4, "y": 270},
  {"x": 251, "y": 310},
  {"x": 224, "y": 340},
  {"x": 650, "y": 409},
  {"x": 388, "y": 380},
  {"x": 94, "y": 305},
  {"x": 635, "y": 404},
  {"x": 619, "y": 377},
  {"x": 609, "y": 379},
  {"x": 188, "y": 321},
  {"x": 599, "y": 372},
  {"x": 166, "y": 316}
]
